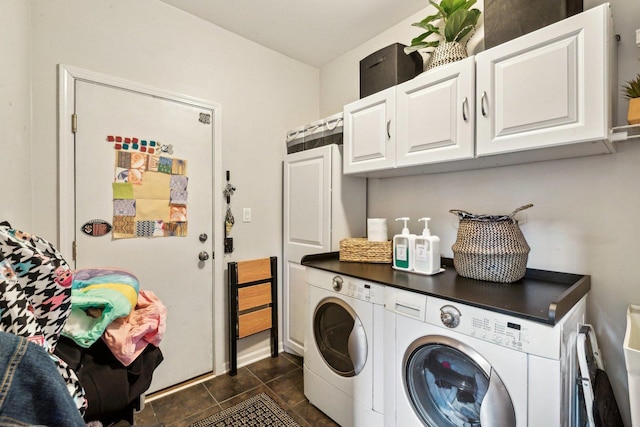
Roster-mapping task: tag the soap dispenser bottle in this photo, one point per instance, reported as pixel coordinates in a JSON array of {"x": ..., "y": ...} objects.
[
  {"x": 426, "y": 251},
  {"x": 403, "y": 248}
]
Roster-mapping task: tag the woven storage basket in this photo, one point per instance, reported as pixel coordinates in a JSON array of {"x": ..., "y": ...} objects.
[
  {"x": 490, "y": 247},
  {"x": 362, "y": 250},
  {"x": 446, "y": 53}
]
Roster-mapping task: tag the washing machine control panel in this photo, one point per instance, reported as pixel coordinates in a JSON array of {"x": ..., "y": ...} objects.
[
  {"x": 450, "y": 316},
  {"x": 358, "y": 289},
  {"x": 506, "y": 331}
]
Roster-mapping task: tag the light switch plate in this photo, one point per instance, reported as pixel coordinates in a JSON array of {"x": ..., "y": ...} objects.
[
  {"x": 246, "y": 214},
  {"x": 638, "y": 37}
]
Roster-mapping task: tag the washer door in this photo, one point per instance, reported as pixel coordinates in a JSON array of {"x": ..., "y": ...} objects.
[
  {"x": 450, "y": 384},
  {"x": 340, "y": 337}
]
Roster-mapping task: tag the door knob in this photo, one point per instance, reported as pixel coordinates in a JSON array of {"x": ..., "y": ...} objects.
[{"x": 203, "y": 256}]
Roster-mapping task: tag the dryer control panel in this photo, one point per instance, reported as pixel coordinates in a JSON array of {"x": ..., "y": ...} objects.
[{"x": 503, "y": 330}]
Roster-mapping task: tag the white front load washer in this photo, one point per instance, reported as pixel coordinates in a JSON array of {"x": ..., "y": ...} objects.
[
  {"x": 343, "y": 366},
  {"x": 459, "y": 365}
]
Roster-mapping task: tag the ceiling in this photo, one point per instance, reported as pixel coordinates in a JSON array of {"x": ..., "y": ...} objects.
[{"x": 312, "y": 31}]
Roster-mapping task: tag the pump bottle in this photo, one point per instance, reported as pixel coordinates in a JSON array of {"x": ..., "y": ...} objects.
[
  {"x": 403, "y": 248},
  {"x": 426, "y": 251}
]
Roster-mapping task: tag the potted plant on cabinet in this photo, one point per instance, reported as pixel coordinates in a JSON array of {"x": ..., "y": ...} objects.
[
  {"x": 453, "y": 22},
  {"x": 631, "y": 91}
]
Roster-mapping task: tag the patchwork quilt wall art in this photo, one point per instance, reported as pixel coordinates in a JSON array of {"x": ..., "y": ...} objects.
[{"x": 150, "y": 190}]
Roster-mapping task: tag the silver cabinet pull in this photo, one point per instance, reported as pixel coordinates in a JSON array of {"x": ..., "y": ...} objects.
[
  {"x": 465, "y": 109},
  {"x": 482, "y": 102}
]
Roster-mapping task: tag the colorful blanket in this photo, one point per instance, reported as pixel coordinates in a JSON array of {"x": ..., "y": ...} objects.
[
  {"x": 98, "y": 297},
  {"x": 127, "y": 337}
]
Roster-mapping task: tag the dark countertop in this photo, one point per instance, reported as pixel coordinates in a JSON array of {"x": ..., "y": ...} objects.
[{"x": 541, "y": 296}]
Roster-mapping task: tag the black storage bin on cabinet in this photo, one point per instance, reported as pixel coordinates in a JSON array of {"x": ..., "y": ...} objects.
[
  {"x": 388, "y": 67},
  {"x": 505, "y": 20}
]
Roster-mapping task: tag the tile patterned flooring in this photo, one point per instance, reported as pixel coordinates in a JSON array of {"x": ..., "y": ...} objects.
[{"x": 280, "y": 378}]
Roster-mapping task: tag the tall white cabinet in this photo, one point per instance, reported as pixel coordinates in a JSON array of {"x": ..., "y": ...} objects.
[{"x": 320, "y": 207}]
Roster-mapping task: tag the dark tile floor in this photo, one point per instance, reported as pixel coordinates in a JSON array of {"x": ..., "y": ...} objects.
[{"x": 280, "y": 378}]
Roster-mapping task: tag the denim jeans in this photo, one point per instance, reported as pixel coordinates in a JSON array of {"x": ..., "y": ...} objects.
[{"x": 32, "y": 392}]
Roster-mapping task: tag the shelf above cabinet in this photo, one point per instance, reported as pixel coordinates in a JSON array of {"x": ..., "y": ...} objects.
[{"x": 624, "y": 133}]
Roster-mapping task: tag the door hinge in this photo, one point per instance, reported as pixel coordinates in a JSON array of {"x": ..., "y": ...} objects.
[
  {"x": 74, "y": 123},
  {"x": 74, "y": 248}
]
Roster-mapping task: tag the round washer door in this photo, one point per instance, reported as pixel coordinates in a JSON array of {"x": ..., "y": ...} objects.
[
  {"x": 340, "y": 337},
  {"x": 450, "y": 384}
]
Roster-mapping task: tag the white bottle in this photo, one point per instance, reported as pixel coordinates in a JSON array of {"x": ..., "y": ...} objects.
[
  {"x": 426, "y": 251},
  {"x": 403, "y": 248}
]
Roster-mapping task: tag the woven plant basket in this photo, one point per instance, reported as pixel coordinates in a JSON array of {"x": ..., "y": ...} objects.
[
  {"x": 363, "y": 250},
  {"x": 490, "y": 247},
  {"x": 446, "y": 53}
]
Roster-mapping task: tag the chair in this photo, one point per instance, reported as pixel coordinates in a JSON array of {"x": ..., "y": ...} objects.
[{"x": 252, "y": 303}]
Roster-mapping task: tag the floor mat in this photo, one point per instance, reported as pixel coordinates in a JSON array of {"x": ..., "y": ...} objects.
[{"x": 259, "y": 410}]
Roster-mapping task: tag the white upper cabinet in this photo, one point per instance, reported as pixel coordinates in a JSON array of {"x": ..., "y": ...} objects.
[
  {"x": 543, "y": 96},
  {"x": 369, "y": 133},
  {"x": 435, "y": 115},
  {"x": 428, "y": 119},
  {"x": 550, "y": 87}
]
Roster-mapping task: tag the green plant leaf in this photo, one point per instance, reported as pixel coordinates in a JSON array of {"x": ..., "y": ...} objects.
[
  {"x": 632, "y": 88},
  {"x": 450, "y": 6},
  {"x": 441, "y": 11},
  {"x": 428, "y": 27},
  {"x": 453, "y": 21},
  {"x": 421, "y": 46},
  {"x": 428, "y": 19},
  {"x": 460, "y": 23},
  {"x": 419, "y": 39}
]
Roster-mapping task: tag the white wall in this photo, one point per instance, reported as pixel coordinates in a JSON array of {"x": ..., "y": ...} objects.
[
  {"x": 262, "y": 94},
  {"x": 15, "y": 127},
  {"x": 583, "y": 220}
]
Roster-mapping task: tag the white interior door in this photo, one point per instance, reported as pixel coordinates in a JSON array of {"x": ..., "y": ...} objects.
[
  {"x": 168, "y": 266},
  {"x": 307, "y": 230}
]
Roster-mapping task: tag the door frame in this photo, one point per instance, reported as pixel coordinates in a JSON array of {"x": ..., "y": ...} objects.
[{"x": 67, "y": 76}]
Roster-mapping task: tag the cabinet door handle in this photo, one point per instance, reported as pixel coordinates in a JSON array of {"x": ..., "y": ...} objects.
[
  {"x": 482, "y": 102},
  {"x": 389, "y": 129},
  {"x": 465, "y": 109}
]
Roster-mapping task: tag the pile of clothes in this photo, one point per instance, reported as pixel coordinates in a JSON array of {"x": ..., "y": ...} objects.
[{"x": 100, "y": 331}]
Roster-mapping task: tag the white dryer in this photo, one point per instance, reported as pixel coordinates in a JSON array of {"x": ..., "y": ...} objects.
[
  {"x": 343, "y": 366},
  {"x": 458, "y": 365}
]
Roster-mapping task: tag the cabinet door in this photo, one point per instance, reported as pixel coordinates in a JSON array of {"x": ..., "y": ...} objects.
[
  {"x": 295, "y": 298},
  {"x": 369, "y": 142},
  {"x": 547, "y": 88},
  {"x": 306, "y": 230},
  {"x": 435, "y": 115},
  {"x": 307, "y": 203}
]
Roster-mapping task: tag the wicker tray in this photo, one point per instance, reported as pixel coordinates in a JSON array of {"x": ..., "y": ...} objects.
[{"x": 362, "y": 250}]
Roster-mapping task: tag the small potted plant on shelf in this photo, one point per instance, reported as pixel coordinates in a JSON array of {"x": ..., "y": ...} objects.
[
  {"x": 454, "y": 21},
  {"x": 631, "y": 91}
]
